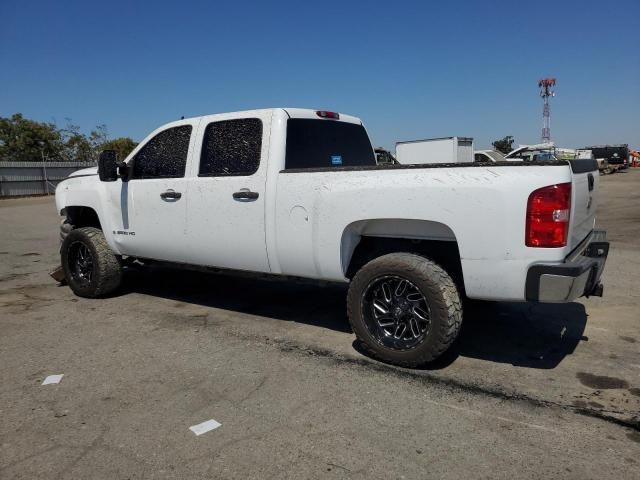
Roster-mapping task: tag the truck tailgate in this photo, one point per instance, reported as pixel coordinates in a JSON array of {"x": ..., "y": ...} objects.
[{"x": 584, "y": 189}]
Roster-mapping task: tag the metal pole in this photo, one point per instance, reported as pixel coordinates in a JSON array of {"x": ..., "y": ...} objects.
[{"x": 44, "y": 171}]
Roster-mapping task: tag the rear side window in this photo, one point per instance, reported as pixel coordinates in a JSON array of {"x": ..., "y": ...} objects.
[
  {"x": 165, "y": 155},
  {"x": 326, "y": 143},
  {"x": 231, "y": 148}
]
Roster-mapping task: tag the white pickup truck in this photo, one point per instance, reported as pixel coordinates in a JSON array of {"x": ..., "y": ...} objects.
[{"x": 297, "y": 192}]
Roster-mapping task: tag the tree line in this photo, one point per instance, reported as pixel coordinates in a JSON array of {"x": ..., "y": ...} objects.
[{"x": 25, "y": 140}]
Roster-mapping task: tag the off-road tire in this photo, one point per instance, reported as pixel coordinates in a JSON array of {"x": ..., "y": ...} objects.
[
  {"x": 107, "y": 270},
  {"x": 437, "y": 287},
  {"x": 65, "y": 229}
]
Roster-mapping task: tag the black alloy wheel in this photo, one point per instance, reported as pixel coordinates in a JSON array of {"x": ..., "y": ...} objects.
[
  {"x": 81, "y": 263},
  {"x": 396, "y": 312}
]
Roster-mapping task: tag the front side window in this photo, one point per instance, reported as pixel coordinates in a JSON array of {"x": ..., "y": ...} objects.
[
  {"x": 231, "y": 148},
  {"x": 325, "y": 143},
  {"x": 165, "y": 155}
]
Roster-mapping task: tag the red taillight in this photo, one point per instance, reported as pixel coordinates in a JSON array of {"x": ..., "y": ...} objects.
[
  {"x": 548, "y": 211},
  {"x": 324, "y": 114}
]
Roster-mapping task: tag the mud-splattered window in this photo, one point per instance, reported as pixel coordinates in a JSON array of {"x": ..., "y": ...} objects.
[
  {"x": 231, "y": 148},
  {"x": 165, "y": 155}
]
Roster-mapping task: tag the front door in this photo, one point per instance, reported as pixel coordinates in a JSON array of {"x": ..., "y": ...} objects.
[{"x": 154, "y": 201}]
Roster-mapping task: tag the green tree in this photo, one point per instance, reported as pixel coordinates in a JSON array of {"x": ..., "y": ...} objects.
[
  {"x": 76, "y": 146},
  {"x": 24, "y": 140},
  {"x": 123, "y": 146},
  {"x": 504, "y": 145}
]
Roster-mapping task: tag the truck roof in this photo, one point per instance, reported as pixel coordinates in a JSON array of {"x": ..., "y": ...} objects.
[{"x": 291, "y": 112}]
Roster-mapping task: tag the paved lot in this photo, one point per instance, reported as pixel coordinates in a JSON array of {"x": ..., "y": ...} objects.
[{"x": 530, "y": 391}]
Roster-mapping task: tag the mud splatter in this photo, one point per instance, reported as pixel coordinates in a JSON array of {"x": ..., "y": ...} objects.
[
  {"x": 634, "y": 436},
  {"x": 13, "y": 276},
  {"x": 601, "y": 382},
  {"x": 628, "y": 339}
]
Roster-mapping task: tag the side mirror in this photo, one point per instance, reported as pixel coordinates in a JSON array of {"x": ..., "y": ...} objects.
[{"x": 108, "y": 166}]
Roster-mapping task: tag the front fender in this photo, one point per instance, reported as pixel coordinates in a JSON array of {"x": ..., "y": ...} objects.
[{"x": 86, "y": 192}]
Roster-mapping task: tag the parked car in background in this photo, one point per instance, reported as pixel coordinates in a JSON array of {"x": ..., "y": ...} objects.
[
  {"x": 541, "y": 152},
  {"x": 384, "y": 157},
  {"x": 488, "y": 156},
  {"x": 617, "y": 156}
]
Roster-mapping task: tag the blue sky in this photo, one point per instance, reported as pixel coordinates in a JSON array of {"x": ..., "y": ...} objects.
[{"x": 408, "y": 69}]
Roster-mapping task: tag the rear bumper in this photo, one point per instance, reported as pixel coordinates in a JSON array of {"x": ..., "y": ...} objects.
[{"x": 579, "y": 275}]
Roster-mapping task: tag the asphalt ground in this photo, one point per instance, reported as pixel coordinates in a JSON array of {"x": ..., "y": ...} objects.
[{"x": 537, "y": 391}]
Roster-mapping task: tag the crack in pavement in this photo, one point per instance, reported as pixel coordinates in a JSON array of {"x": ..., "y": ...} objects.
[{"x": 287, "y": 346}]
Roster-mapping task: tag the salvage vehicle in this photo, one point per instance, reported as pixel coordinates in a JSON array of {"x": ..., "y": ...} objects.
[
  {"x": 617, "y": 156},
  {"x": 384, "y": 157},
  {"x": 540, "y": 152},
  {"x": 488, "y": 156},
  {"x": 297, "y": 192}
]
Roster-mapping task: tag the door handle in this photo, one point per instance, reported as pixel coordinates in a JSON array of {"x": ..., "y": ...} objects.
[
  {"x": 245, "y": 194},
  {"x": 170, "y": 195}
]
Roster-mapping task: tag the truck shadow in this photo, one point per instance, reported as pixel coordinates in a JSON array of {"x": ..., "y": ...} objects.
[
  {"x": 297, "y": 301},
  {"x": 521, "y": 334}
]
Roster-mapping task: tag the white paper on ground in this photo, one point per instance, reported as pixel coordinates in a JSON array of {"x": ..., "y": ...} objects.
[
  {"x": 53, "y": 379},
  {"x": 205, "y": 427}
]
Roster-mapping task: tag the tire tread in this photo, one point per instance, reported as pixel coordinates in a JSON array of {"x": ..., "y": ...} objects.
[{"x": 109, "y": 269}]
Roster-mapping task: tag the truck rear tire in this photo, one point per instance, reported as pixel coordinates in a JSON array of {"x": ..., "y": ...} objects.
[
  {"x": 404, "y": 309},
  {"x": 90, "y": 267}
]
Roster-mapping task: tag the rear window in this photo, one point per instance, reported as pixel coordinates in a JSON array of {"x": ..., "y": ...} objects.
[{"x": 326, "y": 143}]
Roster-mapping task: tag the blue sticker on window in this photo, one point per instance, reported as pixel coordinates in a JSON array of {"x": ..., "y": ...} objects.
[{"x": 336, "y": 159}]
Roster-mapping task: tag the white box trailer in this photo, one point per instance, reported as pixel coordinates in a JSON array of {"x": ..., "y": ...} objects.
[
  {"x": 584, "y": 154},
  {"x": 435, "y": 150}
]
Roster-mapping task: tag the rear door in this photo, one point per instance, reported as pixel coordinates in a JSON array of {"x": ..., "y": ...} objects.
[
  {"x": 583, "y": 199},
  {"x": 226, "y": 210}
]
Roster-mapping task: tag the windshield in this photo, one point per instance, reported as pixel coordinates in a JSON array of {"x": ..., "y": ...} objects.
[
  {"x": 534, "y": 155},
  {"x": 496, "y": 156}
]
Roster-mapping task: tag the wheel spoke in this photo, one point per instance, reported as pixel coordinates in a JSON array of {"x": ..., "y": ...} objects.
[
  {"x": 399, "y": 330},
  {"x": 401, "y": 287},
  {"x": 380, "y": 307},
  {"x": 415, "y": 328},
  {"x": 414, "y": 297},
  {"x": 420, "y": 313},
  {"x": 386, "y": 292}
]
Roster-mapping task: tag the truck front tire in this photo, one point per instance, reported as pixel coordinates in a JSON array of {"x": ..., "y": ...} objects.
[
  {"x": 404, "y": 309},
  {"x": 91, "y": 269}
]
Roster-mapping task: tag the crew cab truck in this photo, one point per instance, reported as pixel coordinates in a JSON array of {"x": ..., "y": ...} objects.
[{"x": 297, "y": 192}]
